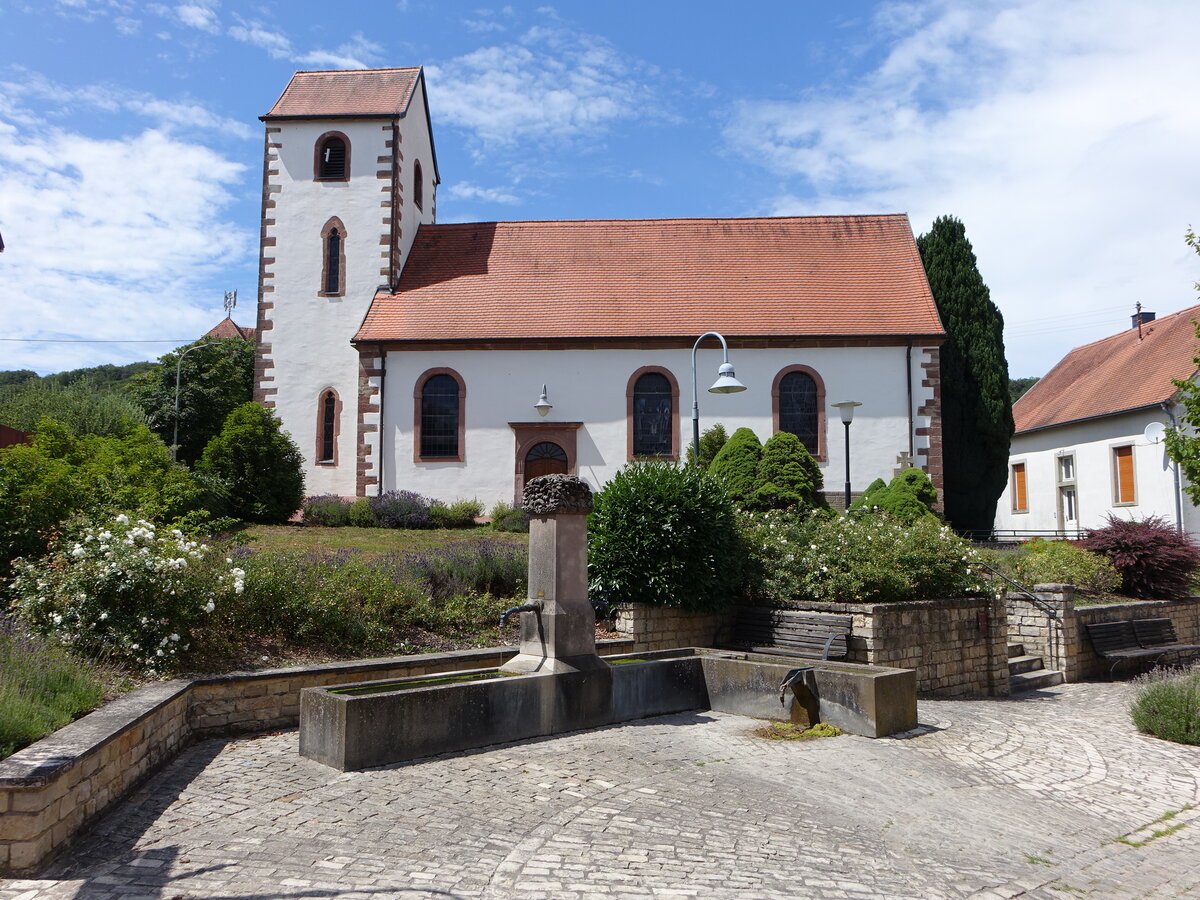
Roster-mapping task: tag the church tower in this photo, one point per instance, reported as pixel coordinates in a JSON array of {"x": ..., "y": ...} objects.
[{"x": 349, "y": 173}]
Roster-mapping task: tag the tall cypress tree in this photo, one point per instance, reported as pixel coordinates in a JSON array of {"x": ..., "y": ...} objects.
[{"x": 977, "y": 422}]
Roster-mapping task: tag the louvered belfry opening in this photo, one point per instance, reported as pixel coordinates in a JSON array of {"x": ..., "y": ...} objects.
[{"x": 332, "y": 160}]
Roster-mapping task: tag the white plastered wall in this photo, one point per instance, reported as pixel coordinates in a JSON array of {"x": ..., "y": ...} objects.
[
  {"x": 310, "y": 334},
  {"x": 1092, "y": 444},
  {"x": 589, "y": 386}
]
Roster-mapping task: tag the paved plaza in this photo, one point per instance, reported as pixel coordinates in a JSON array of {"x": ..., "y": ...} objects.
[{"x": 1049, "y": 795}]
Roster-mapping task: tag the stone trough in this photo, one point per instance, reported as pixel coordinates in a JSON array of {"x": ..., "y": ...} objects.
[{"x": 557, "y": 683}]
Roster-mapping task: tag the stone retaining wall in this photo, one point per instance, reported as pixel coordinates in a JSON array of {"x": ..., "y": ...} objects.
[
  {"x": 51, "y": 789},
  {"x": 1063, "y": 643},
  {"x": 666, "y": 628}
]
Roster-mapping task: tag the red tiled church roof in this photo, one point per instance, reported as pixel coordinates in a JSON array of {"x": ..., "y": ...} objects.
[
  {"x": 665, "y": 278},
  {"x": 357, "y": 92},
  {"x": 227, "y": 328},
  {"x": 1115, "y": 374}
]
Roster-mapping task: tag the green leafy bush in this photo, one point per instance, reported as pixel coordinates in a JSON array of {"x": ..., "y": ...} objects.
[
  {"x": 259, "y": 462},
  {"x": 907, "y": 498},
  {"x": 1063, "y": 562},
  {"x": 787, "y": 476},
  {"x": 1167, "y": 705},
  {"x": 361, "y": 515},
  {"x": 126, "y": 590},
  {"x": 328, "y": 510},
  {"x": 736, "y": 465},
  {"x": 868, "y": 559},
  {"x": 459, "y": 514},
  {"x": 82, "y": 407},
  {"x": 506, "y": 517},
  {"x": 1154, "y": 560},
  {"x": 666, "y": 536},
  {"x": 470, "y": 567},
  {"x": 42, "y": 688},
  {"x": 867, "y": 500},
  {"x": 711, "y": 442}
]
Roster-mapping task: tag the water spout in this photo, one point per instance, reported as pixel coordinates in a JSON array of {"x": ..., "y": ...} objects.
[
  {"x": 535, "y": 606},
  {"x": 792, "y": 677}
]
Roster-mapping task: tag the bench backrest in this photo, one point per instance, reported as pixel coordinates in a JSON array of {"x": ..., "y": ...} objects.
[
  {"x": 805, "y": 633},
  {"x": 1109, "y": 636},
  {"x": 1154, "y": 632}
]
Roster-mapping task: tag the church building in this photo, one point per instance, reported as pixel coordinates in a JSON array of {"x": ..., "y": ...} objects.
[{"x": 460, "y": 360}]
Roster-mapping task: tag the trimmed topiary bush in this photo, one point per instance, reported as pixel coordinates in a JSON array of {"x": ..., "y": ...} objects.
[
  {"x": 908, "y": 497},
  {"x": 736, "y": 465},
  {"x": 401, "y": 509},
  {"x": 711, "y": 442},
  {"x": 787, "y": 477},
  {"x": 665, "y": 536},
  {"x": 328, "y": 510},
  {"x": 1154, "y": 560},
  {"x": 1168, "y": 706},
  {"x": 260, "y": 464},
  {"x": 361, "y": 515},
  {"x": 867, "y": 500}
]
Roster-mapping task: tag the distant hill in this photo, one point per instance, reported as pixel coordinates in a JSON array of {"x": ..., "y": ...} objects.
[{"x": 105, "y": 376}]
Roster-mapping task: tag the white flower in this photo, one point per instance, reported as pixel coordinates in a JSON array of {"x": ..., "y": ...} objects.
[
  {"x": 103, "y": 616},
  {"x": 158, "y": 653},
  {"x": 209, "y": 606},
  {"x": 174, "y": 637},
  {"x": 57, "y": 619},
  {"x": 122, "y": 519},
  {"x": 78, "y": 552}
]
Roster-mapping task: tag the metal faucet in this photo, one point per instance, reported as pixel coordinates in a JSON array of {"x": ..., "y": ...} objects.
[{"x": 534, "y": 606}]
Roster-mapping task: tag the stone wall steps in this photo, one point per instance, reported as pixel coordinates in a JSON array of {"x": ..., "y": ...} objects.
[{"x": 1027, "y": 673}]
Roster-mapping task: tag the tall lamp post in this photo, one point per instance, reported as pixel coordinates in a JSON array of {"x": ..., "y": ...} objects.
[
  {"x": 726, "y": 383},
  {"x": 846, "y": 408},
  {"x": 178, "y": 371}
]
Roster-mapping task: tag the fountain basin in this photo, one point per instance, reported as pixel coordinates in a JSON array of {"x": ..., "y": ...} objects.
[{"x": 352, "y": 727}]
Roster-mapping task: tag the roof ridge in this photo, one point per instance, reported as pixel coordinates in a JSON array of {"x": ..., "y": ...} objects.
[
  {"x": 1149, "y": 326},
  {"x": 680, "y": 219},
  {"x": 354, "y": 71}
]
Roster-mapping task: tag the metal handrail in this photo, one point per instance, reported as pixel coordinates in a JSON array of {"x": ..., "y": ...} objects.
[{"x": 1041, "y": 604}]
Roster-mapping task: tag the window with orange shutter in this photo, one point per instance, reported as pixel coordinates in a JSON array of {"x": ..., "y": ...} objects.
[
  {"x": 1020, "y": 499},
  {"x": 1123, "y": 486}
]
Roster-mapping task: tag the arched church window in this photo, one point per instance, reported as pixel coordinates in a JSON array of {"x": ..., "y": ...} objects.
[
  {"x": 332, "y": 162},
  {"x": 418, "y": 186},
  {"x": 798, "y": 398},
  {"x": 333, "y": 269},
  {"x": 327, "y": 427},
  {"x": 441, "y": 398},
  {"x": 653, "y": 414}
]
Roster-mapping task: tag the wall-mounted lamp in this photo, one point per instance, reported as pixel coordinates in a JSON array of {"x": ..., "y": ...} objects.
[{"x": 543, "y": 406}]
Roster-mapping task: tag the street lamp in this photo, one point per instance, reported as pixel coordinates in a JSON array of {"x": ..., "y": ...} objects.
[
  {"x": 178, "y": 369},
  {"x": 726, "y": 383},
  {"x": 846, "y": 408}
]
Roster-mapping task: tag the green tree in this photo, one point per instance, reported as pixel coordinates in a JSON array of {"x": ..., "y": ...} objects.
[
  {"x": 213, "y": 382},
  {"x": 1183, "y": 443},
  {"x": 17, "y": 376},
  {"x": 977, "y": 422},
  {"x": 259, "y": 463},
  {"x": 787, "y": 476},
  {"x": 1017, "y": 387},
  {"x": 711, "y": 442},
  {"x": 736, "y": 465},
  {"x": 83, "y": 406}
]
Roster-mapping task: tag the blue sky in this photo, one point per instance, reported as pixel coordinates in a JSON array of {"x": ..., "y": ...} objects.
[{"x": 1061, "y": 132}]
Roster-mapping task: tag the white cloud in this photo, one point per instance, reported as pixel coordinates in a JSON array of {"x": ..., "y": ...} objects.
[
  {"x": 553, "y": 83},
  {"x": 110, "y": 239},
  {"x": 275, "y": 43},
  {"x": 356, "y": 53},
  {"x": 198, "y": 15},
  {"x": 464, "y": 190},
  {"x": 1062, "y": 135}
]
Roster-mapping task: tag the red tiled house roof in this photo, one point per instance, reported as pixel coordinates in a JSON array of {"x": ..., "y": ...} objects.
[
  {"x": 358, "y": 92},
  {"x": 816, "y": 277},
  {"x": 1116, "y": 374},
  {"x": 227, "y": 328}
]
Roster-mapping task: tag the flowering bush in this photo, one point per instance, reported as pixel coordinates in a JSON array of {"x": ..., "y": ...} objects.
[
  {"x": 854, "y": 559},
  {"x": 401, "y": 509},
  {"x": 126, "y": 590}
]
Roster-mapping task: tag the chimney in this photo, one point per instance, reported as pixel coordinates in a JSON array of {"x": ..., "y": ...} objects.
[{"x": 1141, "y": 318}]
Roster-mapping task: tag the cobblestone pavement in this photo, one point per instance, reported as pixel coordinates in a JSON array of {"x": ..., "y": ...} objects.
[{"x": 1049, "y": 795}]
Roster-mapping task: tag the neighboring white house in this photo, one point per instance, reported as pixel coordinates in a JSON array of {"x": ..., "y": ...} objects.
[
  {"x": 401, "y": 354},
  {"x": 1088, "y": 436}
]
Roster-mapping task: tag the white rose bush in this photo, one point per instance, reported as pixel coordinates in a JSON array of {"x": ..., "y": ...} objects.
[{"x": 125, "y": 590}]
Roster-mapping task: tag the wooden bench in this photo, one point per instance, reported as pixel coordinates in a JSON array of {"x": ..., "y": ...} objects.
[
  {"x": 1138, "y": 639},
  {"x": 788, "y": 632}
]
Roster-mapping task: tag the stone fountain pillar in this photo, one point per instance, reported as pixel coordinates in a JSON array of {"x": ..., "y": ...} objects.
[{"x": 561, "y": 636}]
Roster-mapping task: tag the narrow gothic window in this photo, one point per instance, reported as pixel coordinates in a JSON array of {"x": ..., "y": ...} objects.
[
  {"x": 328, "y": 428},
  {"x": 331, "y": 158},
  {"x": 333, "y": 262},
  {"x": 440, "y": 417},
  {"x": 798, "y": 408},
  {"x": 652, "y": 416},
  {"x": 418, "y": 186}
]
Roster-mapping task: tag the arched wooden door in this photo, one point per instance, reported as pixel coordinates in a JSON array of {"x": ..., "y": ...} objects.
[{"x": 546, "y": 458}]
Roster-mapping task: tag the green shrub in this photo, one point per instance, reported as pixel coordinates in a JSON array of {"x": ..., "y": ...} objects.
[
  {"x": 126, "y": 590},
  {"x": 1154, "y": 560},
  {"x": 1063, "y": 562},
  {"x": 42, "y": 688},
  {"x": 401, "y": 509},
  {"x": 466, "y": 567},
  {"x": 867, "y": 500},
  {"x": 711, "y": 442},
  {"x": 328, "y": 510},
  {"x": 1168, "y": 706},
  {"x": 666, "y": 536},
  {"x": 260, "y": 463},
  {"x": 854, "y": 559},
  {"x": 736, "y": 465},
  {"x": 459, "y": 514},
  {"x": 83, "y": 407},
  {"x": 361, "y": 515},
  {"x": 907, "y": 498},
  {"x": 508, "y": 518},
  {"x": 787, "y": 476}
]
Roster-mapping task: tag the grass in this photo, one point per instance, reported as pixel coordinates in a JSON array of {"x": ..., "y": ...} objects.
[
  {"x": 1156, "y": 833},
  {"x": 786, "y": 731},
  {"x": 42, "y": 688},
  {"x": 367, "y": 541}
]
